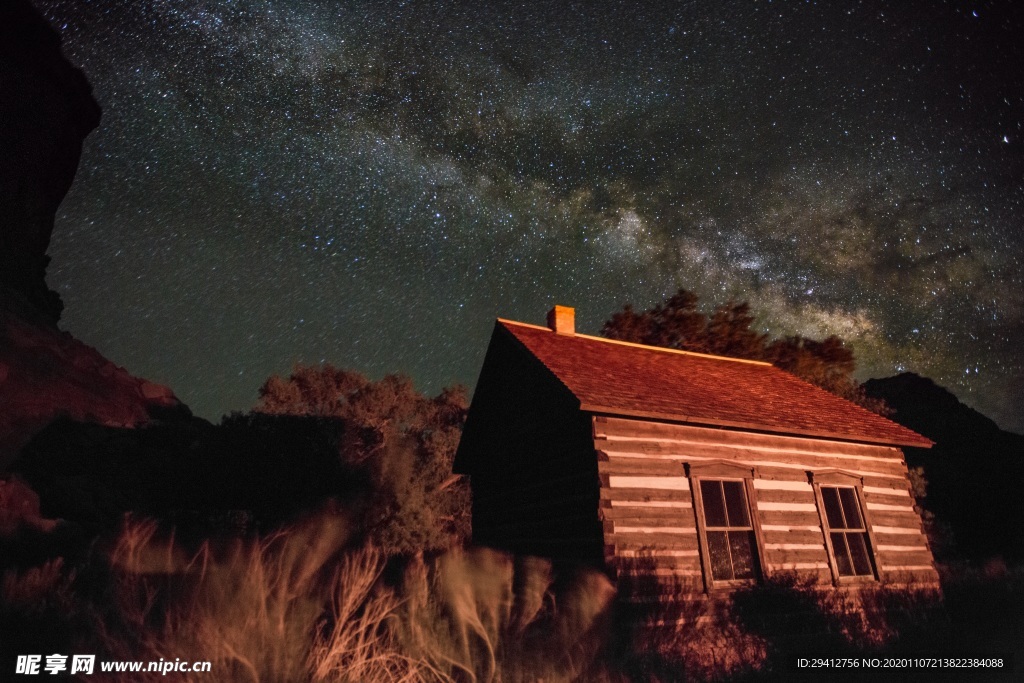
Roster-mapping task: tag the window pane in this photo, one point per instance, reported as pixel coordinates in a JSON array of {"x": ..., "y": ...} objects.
[
  {"x": 833, "y": 511},
  {"x": 859, "y": 552},
  {"x": 731, "y": 545},
  {"x": 850, "y": 508},
  {"x": 842, "y": 554},
  {"x": 742, "y": 545},
  {"x": 714, "y": 506},
  {"x": 736, "y": 503},
  {"x": 718, "y": 553}
]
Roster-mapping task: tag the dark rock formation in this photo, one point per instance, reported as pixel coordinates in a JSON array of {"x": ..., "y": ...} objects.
[
  {"x": 46, "y": 110},
  {"x": 46, "y": 373},
  {"x": 974, "y": 471}
]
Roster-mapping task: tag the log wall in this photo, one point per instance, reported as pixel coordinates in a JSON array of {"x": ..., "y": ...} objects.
[
  {"x": 528, "y": 451},
  {"x": 650, "y": 525}
]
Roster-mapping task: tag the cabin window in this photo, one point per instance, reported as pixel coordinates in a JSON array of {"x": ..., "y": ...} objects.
[
  {"x": 840, "y": 497},
  {"x": 726, "y": 524},
  {"x": 731, "y": 546},
  {"x": 847, "y": 532}
]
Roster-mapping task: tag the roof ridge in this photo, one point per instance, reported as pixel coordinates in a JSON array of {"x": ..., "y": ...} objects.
[{"x": 662, "y": 349}]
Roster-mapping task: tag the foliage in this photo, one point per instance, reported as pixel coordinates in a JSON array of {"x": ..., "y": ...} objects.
[
  {"x": 240, "y": 475},
  {"x": 678, "y": 323},
  {"x": 941, "y": 539},
  {"x": 403, "y": 439}
]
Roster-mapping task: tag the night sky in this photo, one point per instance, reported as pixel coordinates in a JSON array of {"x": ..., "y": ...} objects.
[{"x": 371, "y": 184}]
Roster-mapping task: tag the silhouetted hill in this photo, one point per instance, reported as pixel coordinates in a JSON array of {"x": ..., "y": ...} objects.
[
  {"x": 931, "y": 410},
  {"x": 974, "y": 471}
]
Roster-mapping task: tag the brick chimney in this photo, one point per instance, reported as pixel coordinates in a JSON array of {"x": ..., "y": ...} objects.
[{"x": 562, "y": 319}]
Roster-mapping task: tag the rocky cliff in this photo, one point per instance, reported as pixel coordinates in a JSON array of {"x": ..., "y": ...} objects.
[{"x": 46, "y": 111}]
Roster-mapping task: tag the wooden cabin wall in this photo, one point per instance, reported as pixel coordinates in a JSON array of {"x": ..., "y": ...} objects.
[
  {"x": 647, "y": 509},
  {"x": 529, "y": 453}
]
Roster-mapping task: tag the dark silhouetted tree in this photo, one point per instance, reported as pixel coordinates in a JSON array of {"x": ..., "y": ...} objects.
[
  {"x": 828, "y": 364},
  {"x": 678, "y": 323},
  {"x": 675, "y": 324},
  {"x": 404, "y": 440},
  {"x": 730, "y": 332}
]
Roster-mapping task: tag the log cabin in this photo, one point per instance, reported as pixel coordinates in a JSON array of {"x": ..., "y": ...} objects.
[{"x": 711, "y": 471}]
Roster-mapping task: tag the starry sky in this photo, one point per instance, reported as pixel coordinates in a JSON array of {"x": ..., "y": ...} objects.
[{"x": 371, "y": 183}]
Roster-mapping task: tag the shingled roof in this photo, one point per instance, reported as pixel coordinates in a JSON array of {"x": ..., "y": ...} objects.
[{"x": 620, "y": 378}]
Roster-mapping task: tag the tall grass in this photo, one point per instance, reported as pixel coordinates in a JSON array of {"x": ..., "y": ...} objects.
[
  {"x": 249, "y": 607},
  {"x": 299, "y": 606}
]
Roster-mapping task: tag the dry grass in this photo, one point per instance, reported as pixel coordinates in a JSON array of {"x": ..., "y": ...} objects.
[
  {"x": 297, "y": 606},
  {"x": 250, "y": 608},
  {"x": 34, "y": 586}
]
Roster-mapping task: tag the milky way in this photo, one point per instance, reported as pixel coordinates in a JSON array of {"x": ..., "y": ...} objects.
[{"x": 370, "y": 184}]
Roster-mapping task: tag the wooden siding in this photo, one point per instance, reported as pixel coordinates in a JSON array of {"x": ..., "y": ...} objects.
[{"x": 648, "y": 517}]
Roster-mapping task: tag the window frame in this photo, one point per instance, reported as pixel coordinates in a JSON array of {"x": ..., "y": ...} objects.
[
  {"x": 841, "y": 479},
  {"x": 725, "y": 471}
]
